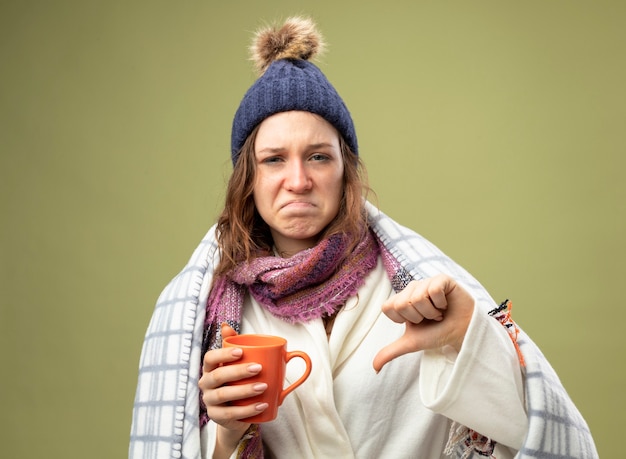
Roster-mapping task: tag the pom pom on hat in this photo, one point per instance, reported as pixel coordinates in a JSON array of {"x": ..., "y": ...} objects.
[
  {"x": 288, "y": 81},
  {"x": 296, "y": 39}
]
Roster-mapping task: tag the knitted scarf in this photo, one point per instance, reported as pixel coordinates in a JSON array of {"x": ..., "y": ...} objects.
[
  {"x": 165, "y": 414},
  {"x": 313, "y": 283}
]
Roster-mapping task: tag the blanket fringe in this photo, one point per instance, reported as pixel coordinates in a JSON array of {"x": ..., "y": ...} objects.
[
  {"x": 503, "y": 315},
  {"x": 469, "y": 441}
]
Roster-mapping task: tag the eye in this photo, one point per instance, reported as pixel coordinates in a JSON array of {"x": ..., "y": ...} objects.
[
  {"x": 271, "y": 160},
  {"x": 319, "y": 157}
]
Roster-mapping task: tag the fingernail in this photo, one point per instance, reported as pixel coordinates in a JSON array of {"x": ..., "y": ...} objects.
[
  {"x": 254, "y": 368},
  {"x": 259, "y": 387},
  {"x": 236, "y": 352},
  {"x": 261, "y": 406}
]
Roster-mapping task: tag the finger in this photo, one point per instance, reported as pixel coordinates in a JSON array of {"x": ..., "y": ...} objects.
[
  {"x": 399, "y": 308},
  {"x": 216, "y": 357},
  {"x": 403, "y": 345},
  {"x": 429, "y": 299},
  {"x": 228, "y": 393},
  {"x": 401, "y": 312},
  {"x": 427, "y": 309},
  {"x": 438, "y": 289},
  {"x": 228, "y": 374},
  {"x": 227, "y": 330},
  {"x": 226, "y": 414},
  {"x": 413, "y": 304}
]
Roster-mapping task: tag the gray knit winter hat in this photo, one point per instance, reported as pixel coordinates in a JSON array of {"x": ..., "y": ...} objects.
[{"x": 289, "y": 81}]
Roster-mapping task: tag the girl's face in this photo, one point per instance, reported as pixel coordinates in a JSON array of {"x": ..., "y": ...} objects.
[{"x": 299, "y": 178}]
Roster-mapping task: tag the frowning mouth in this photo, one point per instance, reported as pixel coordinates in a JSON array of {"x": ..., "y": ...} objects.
[{"x": 297, "y": 205}]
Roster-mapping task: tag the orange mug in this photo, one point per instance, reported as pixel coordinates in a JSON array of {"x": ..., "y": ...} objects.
[{"x": 271, "y": 353}]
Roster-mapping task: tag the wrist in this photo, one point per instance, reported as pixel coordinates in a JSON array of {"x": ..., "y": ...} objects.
[{"x": 226, "y": 442}]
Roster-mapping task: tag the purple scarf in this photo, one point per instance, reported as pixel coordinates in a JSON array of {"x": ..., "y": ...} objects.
[{"x": 313, "y": 283}]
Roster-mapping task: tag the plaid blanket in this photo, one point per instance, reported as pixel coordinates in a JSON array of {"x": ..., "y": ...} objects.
[{"x": 166, "y": 413}]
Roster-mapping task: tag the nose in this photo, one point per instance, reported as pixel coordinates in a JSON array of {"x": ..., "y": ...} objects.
[{"x": 298, "y": 179}]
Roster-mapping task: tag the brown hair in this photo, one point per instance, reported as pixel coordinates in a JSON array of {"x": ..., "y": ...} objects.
[{"x": 242, "y": 234}]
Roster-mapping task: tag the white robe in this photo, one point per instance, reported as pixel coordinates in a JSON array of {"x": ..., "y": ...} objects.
[
  {"x": 166, "y": 409},
  {"x": 346, "y": 410}
]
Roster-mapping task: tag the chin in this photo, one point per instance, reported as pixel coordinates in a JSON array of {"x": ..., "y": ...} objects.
[{"x": 304, "y": 238}]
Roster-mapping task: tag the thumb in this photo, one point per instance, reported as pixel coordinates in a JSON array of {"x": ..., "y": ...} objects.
[
  {"x": 227, "y": 330},
  {"x": 403, "y": 345}
]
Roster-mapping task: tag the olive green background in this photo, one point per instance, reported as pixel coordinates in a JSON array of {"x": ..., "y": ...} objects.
[{"x": 496, "y": 129}]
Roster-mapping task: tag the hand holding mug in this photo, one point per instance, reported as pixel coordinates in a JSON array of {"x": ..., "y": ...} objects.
[
  {"x": 245, "y": 378},
  {"x": 217, "y": 395},
  {"x": 270, "y": 353}
]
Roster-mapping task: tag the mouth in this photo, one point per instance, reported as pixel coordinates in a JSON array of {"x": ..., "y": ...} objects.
[{"x": 297, "y": 205}]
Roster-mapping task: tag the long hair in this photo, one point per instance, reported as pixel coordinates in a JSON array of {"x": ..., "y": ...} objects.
[{"x": 242, "y": 234}]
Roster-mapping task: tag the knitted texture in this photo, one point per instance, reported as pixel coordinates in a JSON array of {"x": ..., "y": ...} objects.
[
  {"x": 165, "y": 414},
  {"x": 313, "y": 283},
  {"x": 291, "y": 84},
  {"x": 308, "y": 285}
]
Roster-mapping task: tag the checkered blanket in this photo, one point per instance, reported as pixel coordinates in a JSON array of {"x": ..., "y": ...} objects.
[{"x": 166, "y": 417}]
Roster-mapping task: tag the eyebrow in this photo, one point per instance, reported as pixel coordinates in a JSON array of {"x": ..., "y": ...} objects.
[
  {"x": 313, "y": 146},
  {"x": 270, "y": 150},
  {"x": 321, "y": 145}
]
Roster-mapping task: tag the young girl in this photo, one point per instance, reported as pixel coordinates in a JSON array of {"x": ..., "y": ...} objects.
[{"x": 411, "y": 356}]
